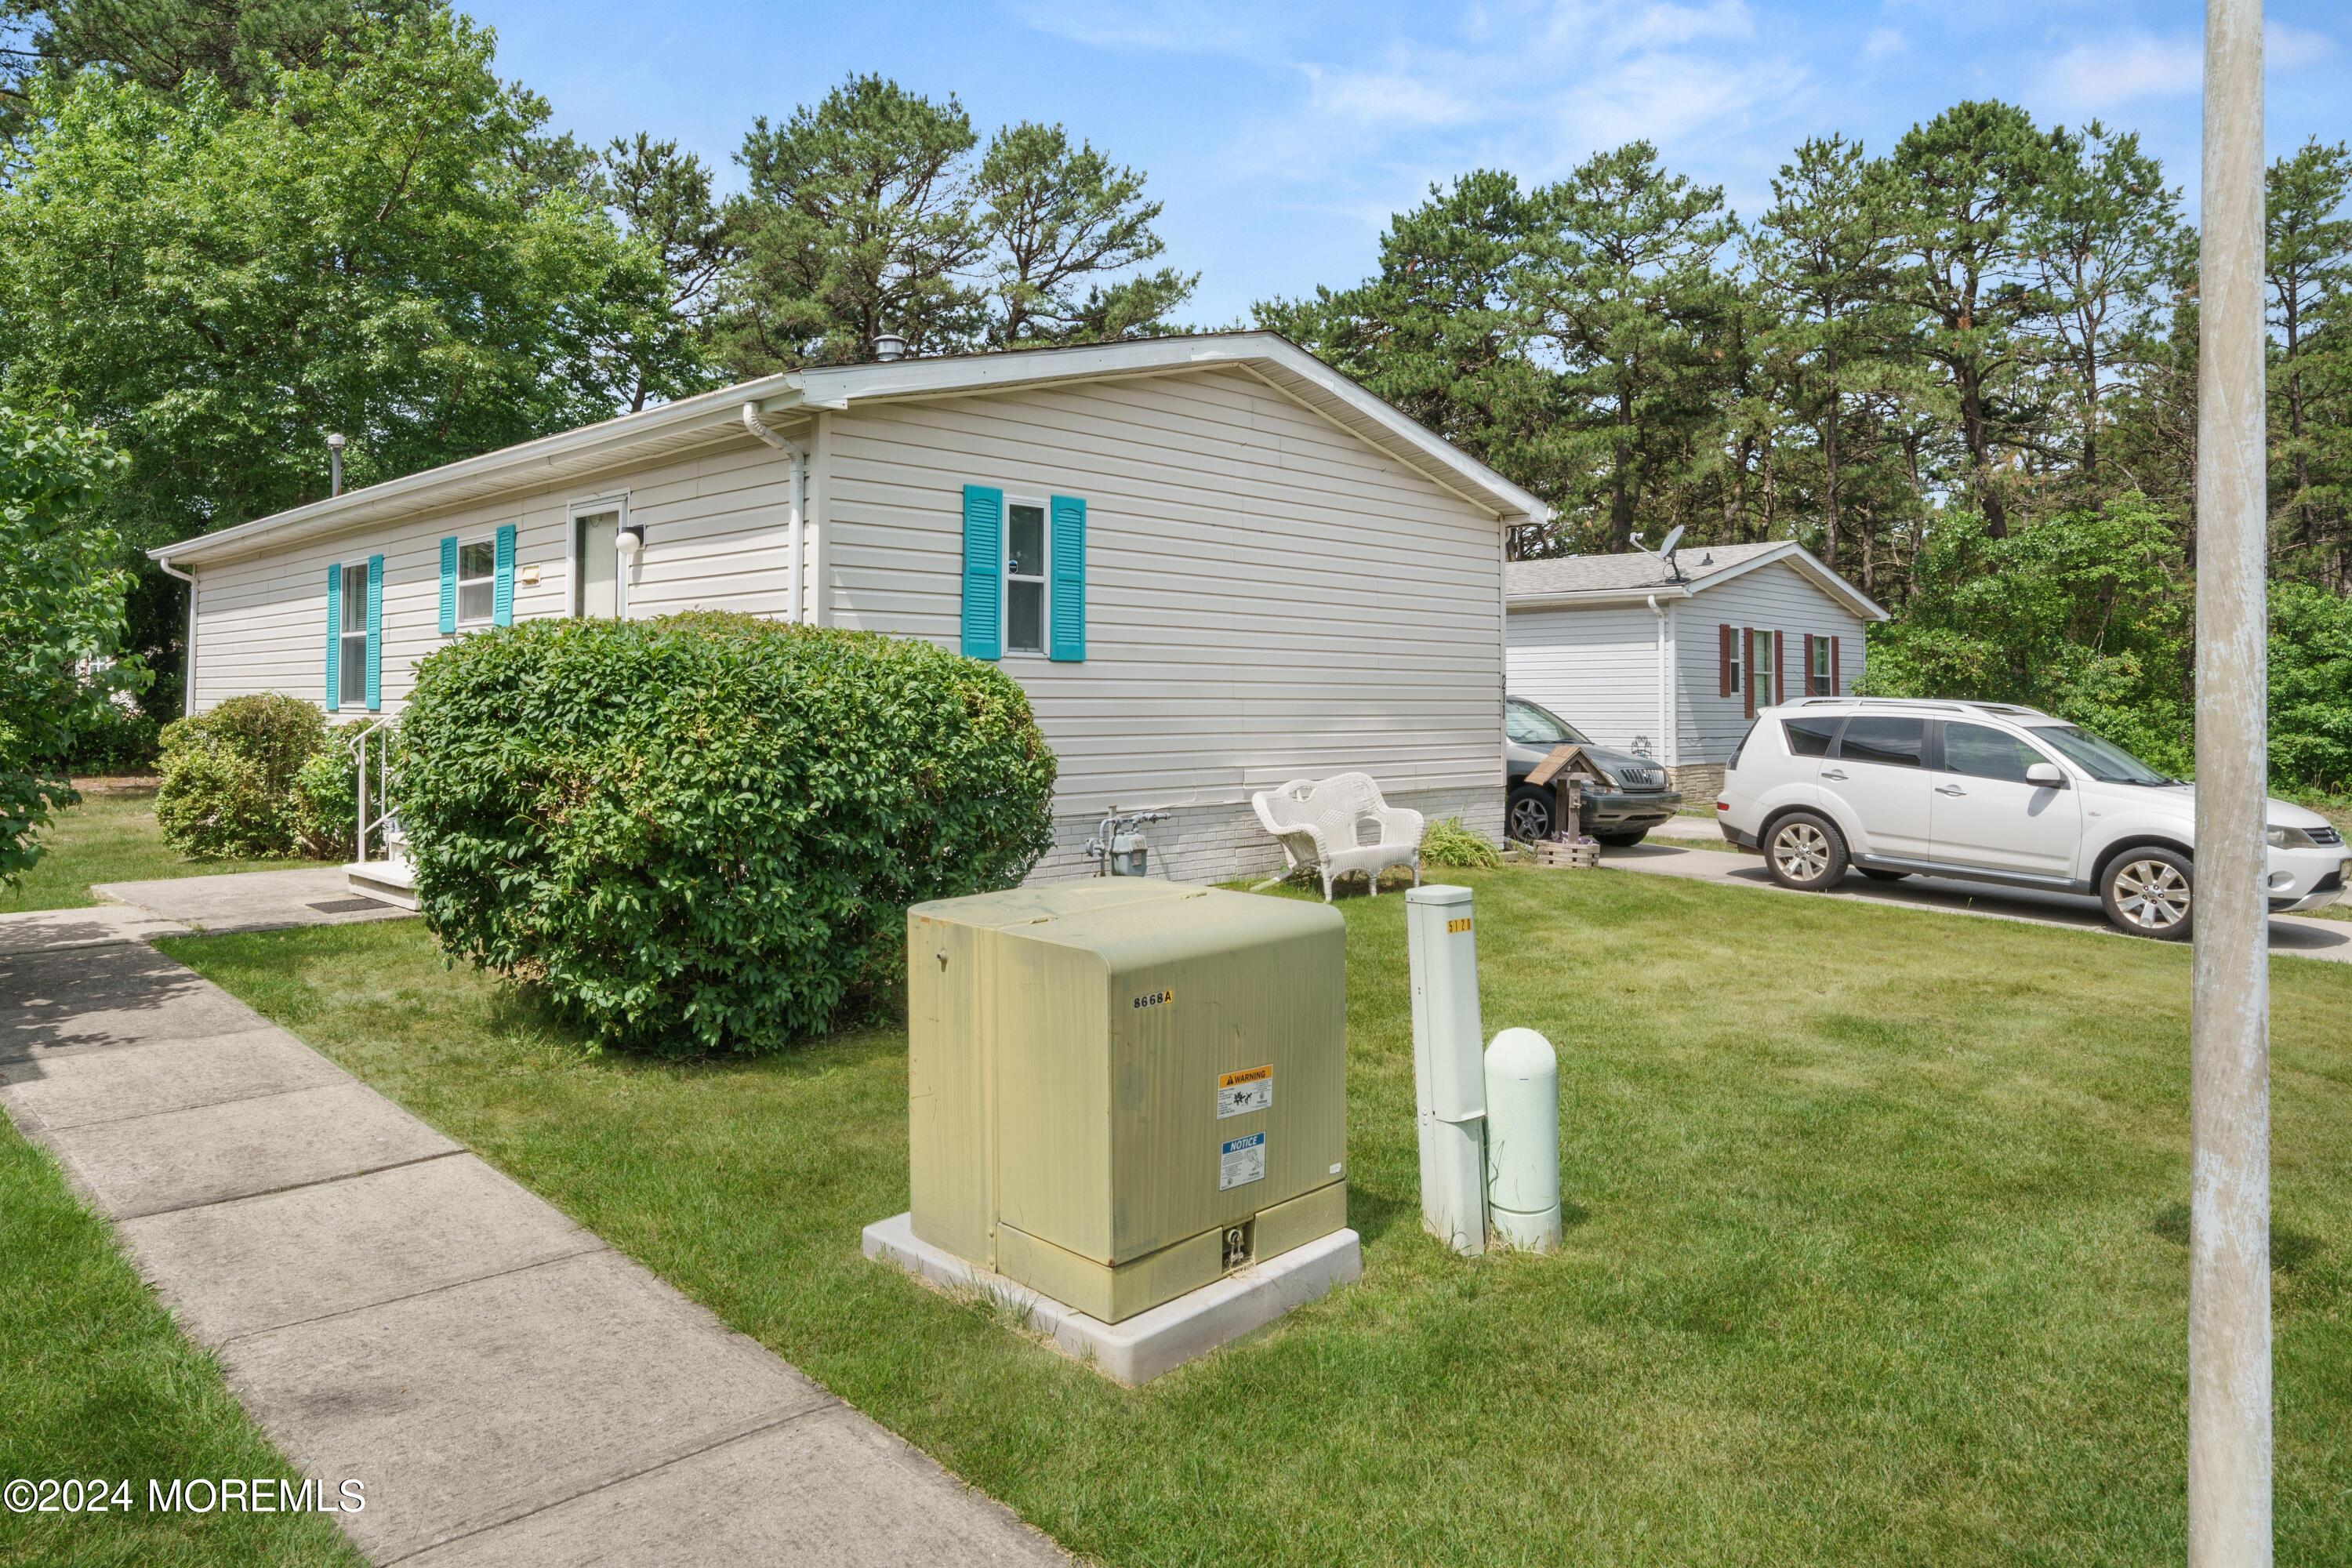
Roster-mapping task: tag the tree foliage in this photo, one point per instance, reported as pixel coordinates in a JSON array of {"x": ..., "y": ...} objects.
[
  {"x": 60, "y": 613},
  {"x": 867, "y": 213}
]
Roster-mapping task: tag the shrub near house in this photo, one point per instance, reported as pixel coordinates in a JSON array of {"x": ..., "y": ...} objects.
[
  {"x": 701, "y": 833},
  {"x": 259, "y": 776}
]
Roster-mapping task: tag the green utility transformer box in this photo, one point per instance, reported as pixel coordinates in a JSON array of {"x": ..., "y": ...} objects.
[{"x": 1123, "y": 1090}]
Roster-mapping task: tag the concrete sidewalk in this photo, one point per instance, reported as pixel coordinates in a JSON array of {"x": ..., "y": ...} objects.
[
  {"x": 392, "y": 1309},
  {"x": 251, "y": 900},
  {"x": 2291, "y": 935}
]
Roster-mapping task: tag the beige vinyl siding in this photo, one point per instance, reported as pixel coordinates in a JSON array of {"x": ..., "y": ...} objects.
[
  {"x": 715, "y": 526},
  {"x": 1597, "y": 668},
  {"x": 1267, "y": 597},
  {"x": 1775, "y": 597}
]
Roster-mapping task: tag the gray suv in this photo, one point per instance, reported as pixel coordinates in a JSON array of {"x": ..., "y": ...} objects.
[{"x": 1636, "y": 800}]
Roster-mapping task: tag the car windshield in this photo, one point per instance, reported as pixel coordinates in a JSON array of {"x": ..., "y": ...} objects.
[
  {"x": 2103, "y": 759},
  {"x": 1532, "y": 726}
]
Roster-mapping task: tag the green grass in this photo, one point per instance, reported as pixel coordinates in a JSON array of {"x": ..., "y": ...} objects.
[
  {"x": 108, "y": 838},
  {"x": 1876, "y": 1250},
  {"x": 96, "y": 1382}
]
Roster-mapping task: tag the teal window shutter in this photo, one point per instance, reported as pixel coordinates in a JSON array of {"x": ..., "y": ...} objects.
[
  {"x": 502, "y": 590},
  {"x": 1067, "y": 642},
  {"x": 375, "y": 634},
  {"x": 334, "y": 636},
  {"x": 984, "y": 572},
  {"x": 449, "y": 587}
]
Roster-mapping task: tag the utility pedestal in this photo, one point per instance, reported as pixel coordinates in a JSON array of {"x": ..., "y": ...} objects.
[{"x": 1448, "y": 1065}]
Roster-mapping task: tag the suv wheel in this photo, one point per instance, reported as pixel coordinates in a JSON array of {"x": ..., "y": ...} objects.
[
  {"x": 1805, "y": 852},
  {"x": 2147, "y": 893},
  {"x": 1529, "y": 815}
]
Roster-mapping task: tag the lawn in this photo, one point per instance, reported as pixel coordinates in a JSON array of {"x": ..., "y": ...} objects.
[
  {"x": 108, "y": 838},
  {"x": 1876, "y": 1250},
  {"x": 96, "y": 1382}
]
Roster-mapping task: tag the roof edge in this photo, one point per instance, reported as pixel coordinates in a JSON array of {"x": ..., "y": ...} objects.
[{"x": 837, "y": 387}]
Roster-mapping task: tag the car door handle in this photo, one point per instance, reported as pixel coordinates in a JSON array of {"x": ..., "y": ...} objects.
[
  {"x": 1950, "y": 789},
  {"x": 1831, "y": 773}
]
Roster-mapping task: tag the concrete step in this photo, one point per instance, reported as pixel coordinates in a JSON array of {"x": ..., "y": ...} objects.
[{"x": 388, "y": 881}]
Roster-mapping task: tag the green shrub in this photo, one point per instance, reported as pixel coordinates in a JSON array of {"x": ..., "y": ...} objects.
[
  {"x": 228, "y": 776},
  {"x": 325, "y": 803},
  {"x": 109, "y": 738},
  {"x": 702, "y": 832},
  {"x": 1446, "y": 842}
]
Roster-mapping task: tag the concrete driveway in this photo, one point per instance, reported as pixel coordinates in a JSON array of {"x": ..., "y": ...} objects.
[{"x": 2293, "y": 935}]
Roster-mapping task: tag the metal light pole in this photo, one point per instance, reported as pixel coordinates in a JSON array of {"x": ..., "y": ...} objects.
[{"x": 2229, "y": 1194}]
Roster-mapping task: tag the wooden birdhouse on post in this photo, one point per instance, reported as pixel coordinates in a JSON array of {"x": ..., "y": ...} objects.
[{"x": 1568, "y": 770}]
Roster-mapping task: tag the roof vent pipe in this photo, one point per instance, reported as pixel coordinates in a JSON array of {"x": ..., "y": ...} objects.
[
  {"x": 334, "y": 465},
  {"x": 888, "y": 346}
]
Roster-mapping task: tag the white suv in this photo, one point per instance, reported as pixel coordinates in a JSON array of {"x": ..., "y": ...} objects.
[{"x": 1992, "y": 793}]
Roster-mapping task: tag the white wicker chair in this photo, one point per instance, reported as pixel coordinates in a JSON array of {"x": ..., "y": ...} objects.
[{"x": 1321, "y": 824}]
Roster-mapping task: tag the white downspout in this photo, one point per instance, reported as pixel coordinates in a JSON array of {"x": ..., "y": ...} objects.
[
  {"x": 188, "y": 651},
  {"x": 793, "y": 528},
  {"x": 1666, "y": 710}
]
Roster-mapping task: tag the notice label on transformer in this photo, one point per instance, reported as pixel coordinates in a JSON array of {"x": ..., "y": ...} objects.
[
  {"x": 1241, "y": 1161},
  {"x": 1239, "y": 1093}
]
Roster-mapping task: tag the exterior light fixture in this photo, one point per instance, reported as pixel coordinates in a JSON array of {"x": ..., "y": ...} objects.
[{"x": 629, "y": 541}]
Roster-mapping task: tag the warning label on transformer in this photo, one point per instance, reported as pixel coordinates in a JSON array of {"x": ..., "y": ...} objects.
[
  {"x": 1241, "y": 1161},
  {"x": 1239, "y": 1093}
]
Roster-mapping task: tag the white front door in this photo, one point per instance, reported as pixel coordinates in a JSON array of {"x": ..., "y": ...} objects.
[
  {"x": 1878, "y": 770},
  {"x": 596, "y": 548},
  {"x": 1987, "y": 815}
]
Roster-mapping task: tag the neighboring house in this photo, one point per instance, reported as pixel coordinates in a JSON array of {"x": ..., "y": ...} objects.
[
  {"x": 1213, "y": 562},
  {"x": 1670, "y": 659}
]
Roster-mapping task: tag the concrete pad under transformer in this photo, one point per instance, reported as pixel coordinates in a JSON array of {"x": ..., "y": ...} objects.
[{"x": 1137, "y": 1349}]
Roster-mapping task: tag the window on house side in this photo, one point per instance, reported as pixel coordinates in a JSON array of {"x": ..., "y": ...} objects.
[
  {"x": 478, "y": 570},
  {"x": 1821, "y": 676},
  {"x": 350, "y": 659},
  {"x": 1024, "y": 577}
]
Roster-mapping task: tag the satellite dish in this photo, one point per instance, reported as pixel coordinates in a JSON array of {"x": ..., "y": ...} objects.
[{"x": 1673, "y": 537}]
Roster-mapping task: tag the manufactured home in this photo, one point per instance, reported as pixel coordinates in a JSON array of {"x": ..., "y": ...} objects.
[
  {"x": 1214, "y": 564},
  {"x": 1670, "y": 657}
]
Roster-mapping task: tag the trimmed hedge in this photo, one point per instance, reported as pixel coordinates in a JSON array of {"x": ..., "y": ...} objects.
[
  {"x": 701, "y": 833},
  {"x": 229, "y": 777}
]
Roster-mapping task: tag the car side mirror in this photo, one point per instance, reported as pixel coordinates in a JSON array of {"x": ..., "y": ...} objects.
[{"x": 2046, "y": 774}]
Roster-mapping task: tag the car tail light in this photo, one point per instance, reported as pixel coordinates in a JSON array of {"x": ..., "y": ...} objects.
[{"x": 1723, "y": 805}]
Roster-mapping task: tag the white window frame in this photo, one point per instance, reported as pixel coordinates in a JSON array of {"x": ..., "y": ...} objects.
[
  {"x": 487, "y": 617},
  {"x": 1760, "y": 637},
  {"x": 347, "y": 637},
  {"x": 618, "y": 503},
  {"x": 1739, "y": 663},
  {"x": 1044, "y": 581},
  {"x": 1821, "y": 680}
]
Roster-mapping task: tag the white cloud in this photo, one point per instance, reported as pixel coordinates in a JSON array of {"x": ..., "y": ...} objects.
[
  {"x": 1884, "y": 44},
  {"x": 2115, "y": 71},
  {"x": 2286, "y": 49},
  {"x": 1180, "y": 26}
]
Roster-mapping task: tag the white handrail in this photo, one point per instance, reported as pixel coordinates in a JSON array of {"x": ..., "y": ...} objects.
[{"x": 387, "y": 818}]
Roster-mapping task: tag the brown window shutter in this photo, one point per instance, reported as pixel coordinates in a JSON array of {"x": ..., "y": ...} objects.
[
  {"x": 1723, "y": 660},
  {"x": 1780, "y": 671},
  {"x": 1836, "y": 688},
  {"x": 1808, "y": 687}
]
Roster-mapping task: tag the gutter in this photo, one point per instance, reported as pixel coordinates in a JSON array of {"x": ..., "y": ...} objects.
[
  {"x": 188, "y": 648},
  {"x": 1664, "y": 718},
  {"x": 794, "y": 526}
]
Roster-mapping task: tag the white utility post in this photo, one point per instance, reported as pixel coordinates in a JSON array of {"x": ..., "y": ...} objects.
[
  {"x": 2229, "y": 1227},
  {"x": 1523, "y": 1141},
  {"x": 1449, "y": 1069}
]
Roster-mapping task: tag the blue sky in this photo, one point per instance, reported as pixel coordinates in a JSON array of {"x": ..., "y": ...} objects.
[{"x": 1282, "y": 136}]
